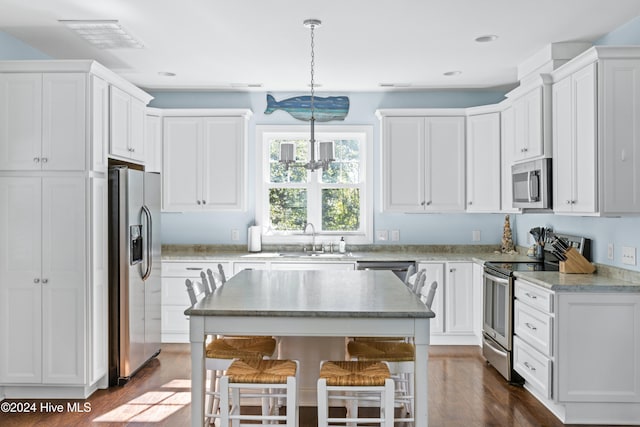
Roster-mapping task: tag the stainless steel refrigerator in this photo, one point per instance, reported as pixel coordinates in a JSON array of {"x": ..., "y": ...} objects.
[{"x": 134, "y": 271}]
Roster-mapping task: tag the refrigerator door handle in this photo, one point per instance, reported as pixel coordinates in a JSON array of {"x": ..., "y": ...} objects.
[{"x": 147, "y": 271}]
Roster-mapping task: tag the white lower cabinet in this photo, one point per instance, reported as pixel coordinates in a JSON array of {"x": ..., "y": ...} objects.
[
  {"x": 453, "y": 303},
  {"x": 578, "y": 352},
  {"x": 175, "y": 300}
]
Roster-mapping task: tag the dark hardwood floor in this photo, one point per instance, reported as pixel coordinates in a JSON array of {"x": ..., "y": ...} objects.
[{"x": 463, "y": 391}]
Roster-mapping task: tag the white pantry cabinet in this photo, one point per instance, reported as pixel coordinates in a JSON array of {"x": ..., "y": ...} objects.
[
  {"x": 127, "y": 126},
  {"x": 453, "y": 303},
  {"x": 423, "y": 160},
  {"x": 42, "y": 121},
  {"x": 595, "y": 116},
  {"x": 43, "y": 264},
  {"x": 204, "y": 160},
  {"x": 483, "y": 162}
]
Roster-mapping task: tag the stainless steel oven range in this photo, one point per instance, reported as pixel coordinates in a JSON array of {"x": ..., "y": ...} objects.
[{"x": 497, "y": 325}]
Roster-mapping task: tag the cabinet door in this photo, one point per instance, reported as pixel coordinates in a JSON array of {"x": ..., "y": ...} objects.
[
  {"x": 20, "y": 121},
  {"x": 63, "y": 276},
  {"x": 99, "y": 124},
  {"x": 459, "y": 298},
  {"x": 182, "y": 163},
  {"x": 153, "y": 141},
  {"x": 620, "y": 161},
  {"x": 445, "y": 164},
  {"x": 120, "y": 114},
  {"x": 563, "y": 146},
  {"x": 136, "y": 130},
  {"x": 99, "y": 279},
  {"x": 507, "y": 147},
  {"x": 403, "y": 154},
  {"x": 224, "y": 163},
  {"x": 20, "y": 277},
  {"x": 584, "y": 156},
  {"x": 435, "y": 272},
  {"x": 528, "y": 112},
  {"x": 64, "y": 118},
  {"x": 483, "y": 163}
]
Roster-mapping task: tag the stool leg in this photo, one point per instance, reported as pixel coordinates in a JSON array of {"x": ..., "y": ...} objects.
[
  {"x": 292, "y": 402},
  {"x": 323, "y": 403},
  {"x": 386, "y": 403},
  {"x": 224, "y": 401},
  {"x": 236, "y": 408}
]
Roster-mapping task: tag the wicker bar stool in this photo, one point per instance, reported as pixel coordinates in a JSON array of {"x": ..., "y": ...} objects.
[
  {"x": 355, "y": 381},
  {"x": 274, "y": 379}
]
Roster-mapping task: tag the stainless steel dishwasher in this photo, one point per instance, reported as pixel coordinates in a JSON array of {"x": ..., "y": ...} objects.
[{"x": 399, "y": 268}]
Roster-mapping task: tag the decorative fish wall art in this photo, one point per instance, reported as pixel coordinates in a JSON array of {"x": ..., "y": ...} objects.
[{"x": 325, "y": 109}]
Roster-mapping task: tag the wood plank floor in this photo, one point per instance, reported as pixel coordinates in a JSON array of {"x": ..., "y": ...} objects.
[{"x": 463, "y": 391}]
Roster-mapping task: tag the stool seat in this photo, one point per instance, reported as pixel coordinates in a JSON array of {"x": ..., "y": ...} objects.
[
  {"x": 257, "y": 371},
  {"x": 241, "y": 348},
  {"x": 354, "y": 373},
  {"x": 388, "y": 351}
]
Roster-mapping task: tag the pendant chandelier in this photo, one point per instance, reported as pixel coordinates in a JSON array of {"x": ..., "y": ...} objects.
[{"x": 325, "y": 152}]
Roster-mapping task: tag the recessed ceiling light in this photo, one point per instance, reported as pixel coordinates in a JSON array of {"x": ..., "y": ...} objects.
[
  {"x": 166, "y": 74},
  {"x": 487, "y": 38},
  {"x": 103, "y": 34},
  {"x": 452, "y": 73}
]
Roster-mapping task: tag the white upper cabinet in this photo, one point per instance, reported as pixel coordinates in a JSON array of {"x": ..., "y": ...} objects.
[
  {"x": 100, "y": 124},
  {"x": 574, "y": 137},
  {"x": 127, "y": 124},
  {"x": 42, "y": 121},
  {"x": 596, "y": 112},
  {"x": 483, "y": 162},
  {"x": 204, "y": 161},
  {"x": 423, "y": 163},
  {"x": 153, "y": 141},
  {"x": 507, "y": 138}
]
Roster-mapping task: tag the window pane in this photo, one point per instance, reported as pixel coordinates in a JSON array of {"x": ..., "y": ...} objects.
[
  {"x": 277, "y": 170},
  {"x": 287, "y": 208},
  {"x": 341, "y": 209},
  {"x": 346, "y": 168}
]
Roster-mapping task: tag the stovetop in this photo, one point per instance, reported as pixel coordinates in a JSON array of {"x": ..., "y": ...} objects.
[{"x": 509, "y": 267}]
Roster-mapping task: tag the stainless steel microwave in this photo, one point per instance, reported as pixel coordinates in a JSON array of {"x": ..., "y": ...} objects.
[{"x": 532, "y": 184}]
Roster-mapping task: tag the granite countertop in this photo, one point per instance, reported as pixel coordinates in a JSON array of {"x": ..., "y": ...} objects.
[
  {"x": 315, "y": 293},
  {"x": 564, "y": 282}
]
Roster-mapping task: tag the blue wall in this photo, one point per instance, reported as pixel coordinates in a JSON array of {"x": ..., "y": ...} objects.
[
  {"x": 414, "y": 228},
  {"x": 425, "y": 229}
]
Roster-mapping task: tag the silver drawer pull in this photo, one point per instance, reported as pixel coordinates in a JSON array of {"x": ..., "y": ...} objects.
[
  {"x": 194, "y": 268},
  {"x": 529, "y": 367},
  {"x": 530, "y": 326},
  {"x": 531, "y": 296}
]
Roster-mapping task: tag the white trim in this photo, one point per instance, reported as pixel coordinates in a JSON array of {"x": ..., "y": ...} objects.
[{"x": 366, "y": 208}]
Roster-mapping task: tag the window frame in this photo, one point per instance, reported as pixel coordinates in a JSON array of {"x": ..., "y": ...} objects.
[{"x": 264, "y": 133}]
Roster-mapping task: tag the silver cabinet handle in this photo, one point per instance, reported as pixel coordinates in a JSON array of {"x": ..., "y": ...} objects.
[
  {"x": 194, "y": 268},
  {"x": 36, "y": 280},
  {"x": 199, "y": 202},
  {"x": 470, "y": 203},
  {"x": 531, "y": 296},
  {"x": 36, "y": 159},
  {"x": 452, "y": 270},
  {"x": 529, "y": 367},
  {"x": 530, "y": 326},
  {"x": 45, "y": 281},
  {"x": 44, "y": 160},
  {"x": 423, "y": 203},
  {"x": 429, "y": 203},
  {"x": 204, "y": 202}
]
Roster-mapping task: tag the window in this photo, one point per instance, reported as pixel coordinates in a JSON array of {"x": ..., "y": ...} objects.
[{"x": 336, "y": 201}]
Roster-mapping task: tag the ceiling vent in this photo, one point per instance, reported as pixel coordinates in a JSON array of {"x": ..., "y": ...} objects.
[{"x": 104, "y": 34}]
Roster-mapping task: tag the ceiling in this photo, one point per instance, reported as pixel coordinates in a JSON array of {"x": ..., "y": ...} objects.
[{"x": 232, "y": 45}]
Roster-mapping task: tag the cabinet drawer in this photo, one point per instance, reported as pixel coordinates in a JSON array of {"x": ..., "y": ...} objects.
[
  {"x": 534, "y": 296},
  {"x": 534, "y": 327},
  {"x": 174, "y": 319},
  {"x": 191, "y": 269},
  {"x": 533, "y": 366},
  {"x": 174, "y": 292}
]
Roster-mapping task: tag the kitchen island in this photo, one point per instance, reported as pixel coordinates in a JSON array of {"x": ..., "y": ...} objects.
[{"x": 311, "y": 303}]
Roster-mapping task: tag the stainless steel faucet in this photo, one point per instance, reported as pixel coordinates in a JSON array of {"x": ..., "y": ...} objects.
[{"x": 313, "y": 230}]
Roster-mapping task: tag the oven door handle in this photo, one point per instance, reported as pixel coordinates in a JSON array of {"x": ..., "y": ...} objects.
[{"x": 496, "y": 278}]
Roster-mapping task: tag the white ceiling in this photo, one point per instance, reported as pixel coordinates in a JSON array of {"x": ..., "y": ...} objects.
[{"x": 218, "y": 44}]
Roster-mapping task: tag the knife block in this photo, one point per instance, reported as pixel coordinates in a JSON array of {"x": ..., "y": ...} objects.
[{"x": 576, "y": 263}]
